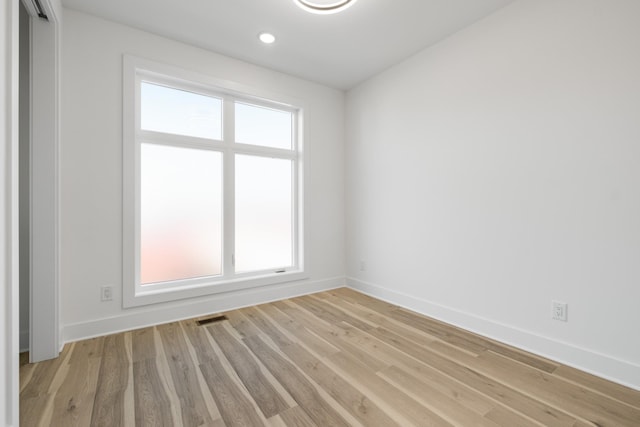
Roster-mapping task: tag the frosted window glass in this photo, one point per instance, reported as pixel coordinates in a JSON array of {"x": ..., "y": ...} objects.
[
  {"x": 181, "y": 213},
  {"x": 180, "y": 112},
  {"x": 263, "y": 126},
  {"x": 264, "y": 218}
]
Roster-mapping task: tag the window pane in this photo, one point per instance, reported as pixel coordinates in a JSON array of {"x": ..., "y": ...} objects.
[
  {"x": 264, "y": 214},
  {"x": 263, "y": 126},
  {"x": 181, "y": 213},
  {"x": 180, "y": 112}
]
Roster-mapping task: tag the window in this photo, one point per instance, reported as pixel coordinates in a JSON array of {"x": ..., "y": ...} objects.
[{"x": 212, "y": 187}]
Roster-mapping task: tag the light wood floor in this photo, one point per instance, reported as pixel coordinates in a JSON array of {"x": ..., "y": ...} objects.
[{"x": 336, "y": 358}]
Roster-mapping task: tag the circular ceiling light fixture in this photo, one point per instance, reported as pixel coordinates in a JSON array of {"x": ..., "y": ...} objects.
[
  {"x": 267, "y": 38},
  {"x": 324, "y": 7}
]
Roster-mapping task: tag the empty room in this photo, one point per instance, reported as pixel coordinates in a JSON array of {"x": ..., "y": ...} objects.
[{"x": 320, "y": 213}]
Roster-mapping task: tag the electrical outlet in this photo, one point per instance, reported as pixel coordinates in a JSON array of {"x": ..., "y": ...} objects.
[
  {"x": 363, "y": 266},
  {"x": 106, "y": 293},
  {"x": 559, "y": 311}
]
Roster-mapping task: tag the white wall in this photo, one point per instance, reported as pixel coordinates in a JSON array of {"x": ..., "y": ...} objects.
[
  {"x": 500, "y": 170},
  {"x": 91, "y": 174}
]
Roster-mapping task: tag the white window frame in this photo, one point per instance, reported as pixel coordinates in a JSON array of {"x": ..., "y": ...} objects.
[{"x": 136, "y": 70}]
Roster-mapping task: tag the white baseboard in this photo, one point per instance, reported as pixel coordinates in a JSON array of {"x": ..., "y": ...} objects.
[
  {"x": 199, "y": 307},
  {"x": 619, "y": 371}
]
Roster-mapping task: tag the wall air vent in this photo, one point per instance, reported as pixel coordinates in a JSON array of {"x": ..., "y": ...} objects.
[{"x": 210, "y": 320}]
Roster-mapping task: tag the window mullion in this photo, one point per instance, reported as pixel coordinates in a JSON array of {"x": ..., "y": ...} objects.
[
  {"x": 256, "y": 150},
  {"x": 228, "y": 117},
  {"x": 179, "y": 140}
]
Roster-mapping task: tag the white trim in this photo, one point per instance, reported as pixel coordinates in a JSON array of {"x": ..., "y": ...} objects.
[
  {"x": 44, "y": 224},
  {"x": 247, "y": 92},
  {"x": 619, "y": 371},
  {"x": 9, "y": 226},
  {"x": 154, "y": 315},
  {"x": 229, "y": 185},
  {"x": 130, "y": 157},
  {"x": 136, "y": 71},
  {"x": 208, "y": 288}
]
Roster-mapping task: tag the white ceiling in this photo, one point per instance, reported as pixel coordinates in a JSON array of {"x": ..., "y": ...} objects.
[{"x": 339, "y": 50}]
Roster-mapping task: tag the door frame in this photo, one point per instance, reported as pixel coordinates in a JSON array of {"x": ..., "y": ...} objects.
[
  {"x": 44, "y": 331},
  {"x": 9, "y": 226}
]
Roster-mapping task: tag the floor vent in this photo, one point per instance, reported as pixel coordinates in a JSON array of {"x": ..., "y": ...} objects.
[{"x": 209, "y": 320}]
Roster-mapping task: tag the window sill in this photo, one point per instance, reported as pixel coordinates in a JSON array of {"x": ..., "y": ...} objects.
[{"x": 155, "y": 296}]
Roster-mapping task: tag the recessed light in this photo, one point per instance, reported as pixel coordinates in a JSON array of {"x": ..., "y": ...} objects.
[
  {"x": 324, "y": 7},
  {"x": 267, "y": 38}
]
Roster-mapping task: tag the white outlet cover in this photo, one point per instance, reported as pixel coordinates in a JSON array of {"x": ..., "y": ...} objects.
[
  {"x": 559, "y": 311},
  {"x": 106, "y": 293}
]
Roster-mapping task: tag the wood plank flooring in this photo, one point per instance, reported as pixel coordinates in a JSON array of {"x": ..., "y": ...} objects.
[{"x": 336, "y": 358}]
